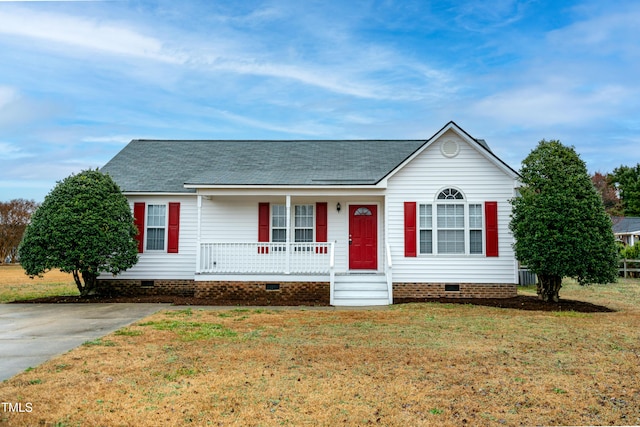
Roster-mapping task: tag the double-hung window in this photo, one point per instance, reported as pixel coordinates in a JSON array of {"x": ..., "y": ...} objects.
[
  {"x": 278, "y": 223},
  {"x": 303, "y": 223},
  {"x": 426, "y": 229},
  {"x": 475, "y": 229},
  {"x": 450, "y": 225},
  {"x": 156, "y": 226}
]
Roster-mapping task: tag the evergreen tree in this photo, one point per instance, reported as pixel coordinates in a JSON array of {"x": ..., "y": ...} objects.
[
  {"x": 627, "y": 181},
  {"x": 84, "y": 227},
  {"x": 559, "y": 222}
]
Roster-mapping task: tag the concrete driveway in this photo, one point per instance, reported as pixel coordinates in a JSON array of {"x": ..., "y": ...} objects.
[{"x": 31, "y": 334}]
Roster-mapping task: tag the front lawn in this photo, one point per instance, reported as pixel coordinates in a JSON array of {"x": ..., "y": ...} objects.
[
  {"x": 414, "y": 364},
  {"x": 16, "y": 285}
]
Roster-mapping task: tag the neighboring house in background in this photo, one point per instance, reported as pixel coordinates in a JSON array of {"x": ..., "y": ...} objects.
[
  {"x": 345, "y": 222},
  {"x": 626, "y": 229}
]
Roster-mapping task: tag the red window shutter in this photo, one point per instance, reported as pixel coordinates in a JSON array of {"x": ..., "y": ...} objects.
[
  {"x": 321, "y": 225},
  {"x": 174, "y": 228},
  {"x": 491, "y": 227},
  {"x": 138, "y": 220},
  {"x": 410, "y": 229},
  {"x": 263, "y": 222},
  {"x": 263, "y": 226}
]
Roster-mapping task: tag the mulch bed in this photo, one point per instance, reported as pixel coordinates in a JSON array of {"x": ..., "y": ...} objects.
[{"x": 521, "y": 302}]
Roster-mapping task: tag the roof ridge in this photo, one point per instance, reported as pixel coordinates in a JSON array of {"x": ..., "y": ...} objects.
[{"x": 279, "y": 140}]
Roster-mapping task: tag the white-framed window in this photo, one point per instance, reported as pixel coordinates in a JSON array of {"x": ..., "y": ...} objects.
[
  {"x": 156, "y": 227},
  {"x": 475, "y": 228},
  {"x": 450, "y": 225},
  {"x": 303, "y": 223},
  {"x": 278, "y": 223},
  {"x": 426, "y": 229},
  {"x": 456, "y": 229}
]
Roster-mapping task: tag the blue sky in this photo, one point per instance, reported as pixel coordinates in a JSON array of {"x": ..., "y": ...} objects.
[{"x": 79, "y": 79}]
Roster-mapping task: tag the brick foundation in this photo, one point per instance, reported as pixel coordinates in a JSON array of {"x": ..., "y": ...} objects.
[
  {"x": 183, "y": 288},
  {"x": 413, "y": 291},
  {"x": 273, "y": 293},
  {"x": 288, "y": 293},
  {"x": 257, "y": 293}
]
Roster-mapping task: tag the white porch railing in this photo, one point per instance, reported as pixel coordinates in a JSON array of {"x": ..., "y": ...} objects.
[{"x": 258, "y": 257}]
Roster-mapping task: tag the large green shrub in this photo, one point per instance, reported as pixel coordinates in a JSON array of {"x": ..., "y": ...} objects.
[
  {"x": 631, "y": 252},
  {"x": 559, "y": 222},
  {"x": 84, "y": 227}
]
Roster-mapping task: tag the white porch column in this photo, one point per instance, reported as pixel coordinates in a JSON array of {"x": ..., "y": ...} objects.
[
  {"x": 288, "y": 233},
  {"x": 198, "y": 237}
]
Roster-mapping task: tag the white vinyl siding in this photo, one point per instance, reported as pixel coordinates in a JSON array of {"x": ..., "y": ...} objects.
[
  {"x": 158, "y": 264},
  {"x": 480, "y": 180}
]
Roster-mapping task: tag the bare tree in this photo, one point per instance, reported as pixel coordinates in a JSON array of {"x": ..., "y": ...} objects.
[
  {"x": 608, "y": 194},
  {"x": 14, "y": 218}
]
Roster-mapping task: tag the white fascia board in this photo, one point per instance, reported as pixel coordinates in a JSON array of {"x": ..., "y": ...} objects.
[
  {"x": 151, "y": 193},
  {"x": 270, "y": 187},
  {"x": 293, "y": 191}
]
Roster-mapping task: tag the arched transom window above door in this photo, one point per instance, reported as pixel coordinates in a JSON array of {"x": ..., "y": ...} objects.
[{"x": 362, "y": 211}]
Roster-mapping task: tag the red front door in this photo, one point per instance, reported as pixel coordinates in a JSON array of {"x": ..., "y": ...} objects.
[{"x": 363, "y": 237}]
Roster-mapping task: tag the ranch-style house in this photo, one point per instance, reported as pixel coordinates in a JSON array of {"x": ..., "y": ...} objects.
[{"x": 340, "y": 222}]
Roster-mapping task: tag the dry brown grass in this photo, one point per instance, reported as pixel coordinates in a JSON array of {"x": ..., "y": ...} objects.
[
  {"x": 417, "y": 364},
  {"x": 16, "y": 285}
]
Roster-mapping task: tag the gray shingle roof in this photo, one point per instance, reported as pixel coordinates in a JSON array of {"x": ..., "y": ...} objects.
[
  {"x": 629, "y": 224},
  {"x": 166, "y": 165}
]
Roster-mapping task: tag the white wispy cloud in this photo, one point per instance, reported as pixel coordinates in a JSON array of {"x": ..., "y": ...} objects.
[
  {"x": 84, "y": 32},
  {"x": 605, "y": 33},
  {"x": 550, "y": 104},
  {"x": 305, "y": 128},
  {"x": 17, "y": 109},
  {"x": 10, "y": 151},
  {"x": 7, "y": 95},
  {"x": 359, "y": 73},
  {"x": 108, "y": 139}
]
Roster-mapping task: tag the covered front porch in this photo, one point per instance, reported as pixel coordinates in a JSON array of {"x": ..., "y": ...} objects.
[{"x": 290, "y": 247}]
